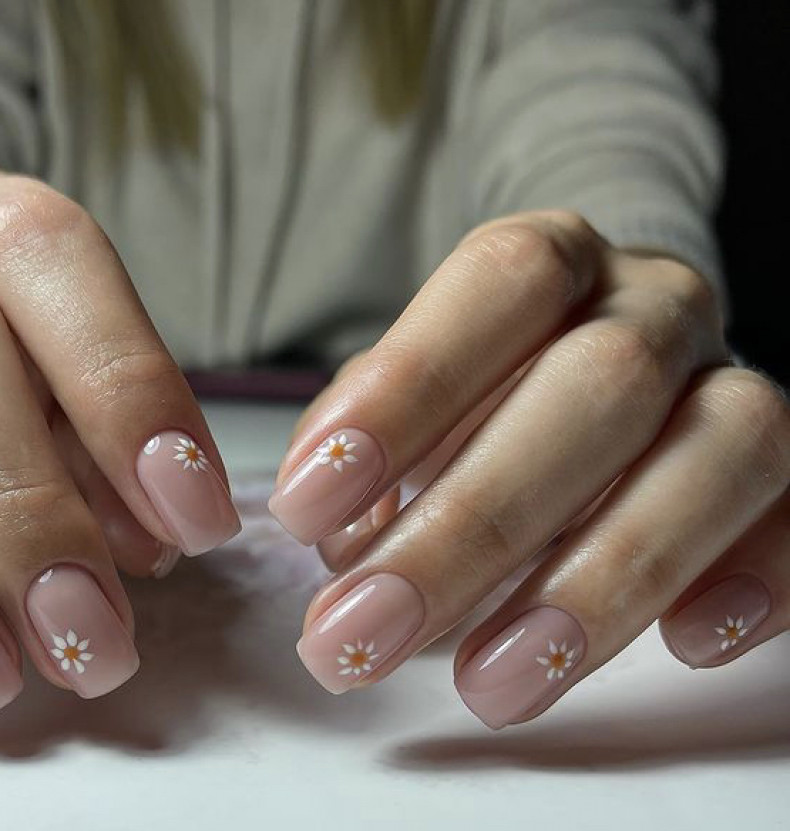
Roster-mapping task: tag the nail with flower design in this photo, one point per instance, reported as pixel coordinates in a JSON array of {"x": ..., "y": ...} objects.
[
  {"x": 90, "y": 646},
  {"x": 328, "y": 484},
  {"x": 558, "y": 660},
  {"x": 719, "y": 623},
  {"x": 188, "y": 494}
]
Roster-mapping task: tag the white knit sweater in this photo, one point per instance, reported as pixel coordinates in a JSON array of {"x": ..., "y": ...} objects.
[{"x": 307, "y": 221}]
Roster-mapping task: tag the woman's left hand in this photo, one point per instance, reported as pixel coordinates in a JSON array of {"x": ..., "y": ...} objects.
[{"x": 535, "y": 370}]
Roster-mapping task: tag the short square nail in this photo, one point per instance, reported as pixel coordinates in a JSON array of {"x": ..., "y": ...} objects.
[
  {"x": 718, "y": 623},
  {"x": 360, "y": 631},
  {"x": 81, "y": 631},
  {"x": 186, "y": 492},
  {"x": 526, "y": 665},
  {"x": 10, "y": 678},
  {"x": 327, "y": 485}
]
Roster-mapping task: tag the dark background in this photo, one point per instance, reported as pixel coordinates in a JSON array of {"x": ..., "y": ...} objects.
[{"x": 754, "y": 222}]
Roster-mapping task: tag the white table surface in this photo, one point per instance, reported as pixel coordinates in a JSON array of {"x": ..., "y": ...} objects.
[{"x": 223, "y": 729}]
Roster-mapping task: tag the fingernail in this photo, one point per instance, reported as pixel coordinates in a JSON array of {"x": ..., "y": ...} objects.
[
  {"x": 328, "y": 484},
  {"x": 167, "y": 561},
  {"x": 360, "y": 631},
  {"x": 81, "y": 631},
  {"x": 10, "y": 678},
  {"x": 718, "y": 624},
  {"x": 187, "y": 492},
  {"x": 340, "y": 548},
  {"x": 525, "y": 666}
]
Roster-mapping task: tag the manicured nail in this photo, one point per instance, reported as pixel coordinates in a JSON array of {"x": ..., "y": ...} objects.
[
  {"x": 81, "y": 631},
  {"x": 361, "y": 631},
  {"x": 327, "y": 485},
  {"x": 187, "y": 492},
  {"x": 717, "y": 625},
  {"x": 10, "y": 678},
  {"x": 524, "y": 667},
  {"x": 341, "y": 547},
  {"x": 167, "y": 560}
]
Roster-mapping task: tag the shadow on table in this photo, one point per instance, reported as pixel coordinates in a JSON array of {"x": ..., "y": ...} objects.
[
  {"x": 747, "y": 718},
  {"x": 216, "y": 641}
]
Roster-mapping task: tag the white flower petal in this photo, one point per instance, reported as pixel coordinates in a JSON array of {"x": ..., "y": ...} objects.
[
  {"x": 324, "y": 460},
  {"x": 349, "y": 648},
  {"x": 350, "y": 446},
  {"x": 564, "y": 646},
  {"x": 59, "y": 642},
  {"x": 350, "y": 458},
  {"x": 342, "y": 439},
  {"x": 83, "y": 645},
  {"x": 58, "y": 653},
  {"x": 730, "y": 621},
  {"x": 65, "y": 664},
  {"x": 86, "y": 656},
  {"x": 71, "y": 637},
  {"x": 345, "y": 671},
  {"x": 541, "y": 660},
  {"x": 570, "y": 653},
  {"x": 720, "y": 630},
  {"x": 724, "y": 645},
  {"x": 185, "y": 442},
  {"x": 370, "y": 647},
  {"x": 342, "y": 660},
  {"x": 373, "y": 657},
  {"x": 739, "y": 622},
  {"x": 79, "y": 667},
  {"x": 550, "y": 673},
  {"x": 366, "y": 667},
  {"x": 553, "y": 648},
  {"x": 357, "y": 670},
  {"x": 743, "y": 631},
  {"x": 338, "y": 466},
  {"x": 560, "y": 673}
]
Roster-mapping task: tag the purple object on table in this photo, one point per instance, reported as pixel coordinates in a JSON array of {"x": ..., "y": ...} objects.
[{"x": 298, "y": 385}]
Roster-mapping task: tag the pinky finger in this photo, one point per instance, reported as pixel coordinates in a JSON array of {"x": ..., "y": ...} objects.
[
  {"x": 10, "y": 667},
  {"x": 740, "y": 602}
]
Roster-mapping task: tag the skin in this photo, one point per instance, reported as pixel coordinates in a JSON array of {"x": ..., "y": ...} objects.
[
  {"x": 543, "y": 386},
  {"x": 86, "y": 381}
]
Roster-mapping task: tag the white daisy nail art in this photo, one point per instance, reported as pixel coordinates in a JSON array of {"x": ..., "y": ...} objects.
[
  {"x": 151, "y": 446},
  {"x": 357, "y": 659},
  {"x": 559, "y": 659},
  {"x": 733, "y": 631},
  {"x": 71, "y": 651},
  {"x": 190, "y": 454},
  {"x": 335, "y": 452}
]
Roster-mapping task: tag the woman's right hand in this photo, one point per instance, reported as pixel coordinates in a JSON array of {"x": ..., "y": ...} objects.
[{"x": 105, "y": 457}]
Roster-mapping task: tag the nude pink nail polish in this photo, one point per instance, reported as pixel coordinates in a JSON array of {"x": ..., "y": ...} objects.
[
  {"x": 10, "y": 678},
  {"x": 81, "y": 631},
  {"x": 718, "y": 624},
  {"x": 360, "y": 631},
  {"x": 187, "y": 492},
  {"x": 527, "y": 665},
  {"x": 328, "y": 484}
]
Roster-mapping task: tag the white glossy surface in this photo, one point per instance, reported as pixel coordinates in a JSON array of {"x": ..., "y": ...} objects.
[{"x": 223, "y": 729}]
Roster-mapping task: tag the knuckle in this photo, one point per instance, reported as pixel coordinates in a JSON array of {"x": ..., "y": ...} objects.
[
  {"x": 526, "y": 261},
  {"x": 113, "y": 372},
  {"x": 758, "y": 410},
  {"x": 650, "y": 572},
  {"x": 28, "y": 495}
]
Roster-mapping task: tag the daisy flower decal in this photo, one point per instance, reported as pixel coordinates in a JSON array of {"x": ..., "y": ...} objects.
[
  {"x": 732, "y": 632},
  {"x": 71, "y": 651},
  {"x": 558, "y": 660},
  {"x": 190, "y": 454},
  {"x": 356, "y": 659},
  {"x": 335, "y": 452}
]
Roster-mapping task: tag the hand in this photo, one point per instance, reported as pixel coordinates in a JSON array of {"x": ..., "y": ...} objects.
[
  {"x": 547, "y": 383},
  {"x": 99, "y": 449}
]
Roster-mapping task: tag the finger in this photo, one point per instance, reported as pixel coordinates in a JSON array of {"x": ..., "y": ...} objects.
[
  {"x": 742, "y": 601},
  {"x": 11, "y": 682},
  {"x": 58, "y": 587},
  {"x": 496, "y": 299},
  {"x": 722, "y": 461},
  {"x": 69, "y": 300},
  {"x": 133, "y": 549},
  {"x": 590, "y": 405}
]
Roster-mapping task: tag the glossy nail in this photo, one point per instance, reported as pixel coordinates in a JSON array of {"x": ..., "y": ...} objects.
[
  {"x": 10, "y": 678},
  {"x": 525, "y": 667},
  {"x": 327, "y": 485},
  {"x": 360, "y": 631},
  {"x": 81, "y": 631},
  {"x": 167, "y": 560},
  {"x": 340, "y": 548},
  {"x": 187, "y": 492},
  {"x": 717, "y": 624}
]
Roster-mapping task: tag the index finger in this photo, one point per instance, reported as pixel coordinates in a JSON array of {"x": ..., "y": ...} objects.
[{"x": 73, "y": 307}]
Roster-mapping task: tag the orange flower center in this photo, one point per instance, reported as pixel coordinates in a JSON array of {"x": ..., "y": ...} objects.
[
  {"x": 732, "y": 633},
  {"x": 558, "y": 660},
  {"x": 191, "y": 454},
  {"x": 72, "y": 653},
  {"x": 337, "y": 451},
  {"x": 358, "y": 659}
]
